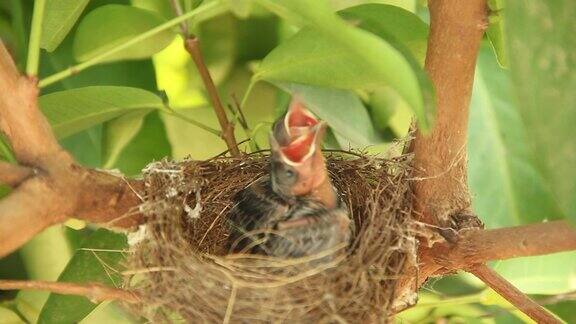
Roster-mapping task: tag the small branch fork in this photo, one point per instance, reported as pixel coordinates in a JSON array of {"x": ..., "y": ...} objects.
[
  {"x": 49, "y": 186},
  {"x": 192, "y": 45}
]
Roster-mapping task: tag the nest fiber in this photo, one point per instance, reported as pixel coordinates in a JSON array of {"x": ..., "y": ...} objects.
[{"x": 184, "y": 273}]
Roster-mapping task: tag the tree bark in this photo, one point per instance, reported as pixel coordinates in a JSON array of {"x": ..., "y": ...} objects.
[
  {"x": 456, "y": 29},
  {"x": 49, "y": 186}
]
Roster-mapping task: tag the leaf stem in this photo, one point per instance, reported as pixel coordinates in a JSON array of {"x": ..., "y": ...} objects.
[
  {"x": 35, "y": 34},
  {"x": 192, "y": 121},
  {"x": 208, "y": 10}
]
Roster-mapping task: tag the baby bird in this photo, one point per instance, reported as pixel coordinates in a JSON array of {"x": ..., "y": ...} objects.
[{"x": 294, "y": 211}]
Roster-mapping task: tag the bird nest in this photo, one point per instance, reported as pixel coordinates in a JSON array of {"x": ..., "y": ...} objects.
[{"x": 184, "y": 272}]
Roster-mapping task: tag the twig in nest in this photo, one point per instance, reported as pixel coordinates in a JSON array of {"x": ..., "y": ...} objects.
[
  {"x": 513, "y": 295},
  {"x": 94, "y": 291}
]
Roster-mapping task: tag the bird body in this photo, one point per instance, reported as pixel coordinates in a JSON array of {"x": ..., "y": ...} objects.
[
  {"x": 266, "y": 223},
  {"x": 294, "y": 211}
]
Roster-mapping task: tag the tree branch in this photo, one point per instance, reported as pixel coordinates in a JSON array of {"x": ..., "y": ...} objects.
[
  {"x": 479, "y": 246},
  {"x": 58, "y": 188},
  {"x": 13, "y": 175},
  {"x": 93, "y": 291},
  {"x": 513, "y": 295},
  {"x": 456, "y": 29}
]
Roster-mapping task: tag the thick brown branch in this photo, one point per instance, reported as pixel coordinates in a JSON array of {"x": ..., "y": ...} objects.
[
  {"x": 513, "y": 295},
  {"x": 19, "y": 110},
  {"x": 479, "y": 246},
  {"x": 94, "y": 291},
  {"x": 12, "y": 174},
  {"x": 58, "y": 188},
  {"x": 456, "y": 29},
  {"x": 192, "y": 45}
]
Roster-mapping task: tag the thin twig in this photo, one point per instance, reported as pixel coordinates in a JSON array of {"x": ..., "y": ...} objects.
[
  {"x": 192, "y": 45},
  {"x": 512, "y": 294},
  {"x": 178, "y": 10},
  {"x": 93, "y": 291}
]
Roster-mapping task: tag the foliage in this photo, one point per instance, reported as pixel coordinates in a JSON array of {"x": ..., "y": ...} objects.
[{"x": 133, "y": 96}]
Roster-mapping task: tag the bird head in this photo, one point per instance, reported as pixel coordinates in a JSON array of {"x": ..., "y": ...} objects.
[{"x": 297, "y": 163}]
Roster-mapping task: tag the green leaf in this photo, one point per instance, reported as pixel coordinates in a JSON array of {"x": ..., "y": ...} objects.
[
  {"x": 59, "y": 17},
  {"x": 149, "y": 144},
  {"x": 118, "y": 133},
  {"x": 389, "y": 112},
  {"x": 342, "y": 110},
  {"x": 97, "y": 261},
  {"x": 44, "y": 257},
  {"x": 409, "y": 5},
  {"x": 495, "y": 31},
  {"x": 8, "y": 316},
  {"x": 541, "y": 41},
  {"x": 393, "y": 24},
  {"x": 507, "y": 188},
  {"x": 71, "y": 111},
  {"x": 332, "y": 53},
  {"x": 240, "y": 8},
  {"x": 108, "y": 26}
]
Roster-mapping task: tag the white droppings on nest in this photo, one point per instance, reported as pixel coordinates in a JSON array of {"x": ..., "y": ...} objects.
[
  {"x": 134, "y": 238},
  {"x": 194, "y": 213}
]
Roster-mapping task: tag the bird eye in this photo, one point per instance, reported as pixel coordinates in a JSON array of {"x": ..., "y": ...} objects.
[{"x": 289, "y": 173}]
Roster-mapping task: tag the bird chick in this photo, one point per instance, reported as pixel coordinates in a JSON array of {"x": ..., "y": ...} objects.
[{"x": 293, "y": 211}]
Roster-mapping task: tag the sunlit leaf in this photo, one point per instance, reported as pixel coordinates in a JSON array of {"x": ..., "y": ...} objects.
[
  {"x": 329, "y": 52},
  {"x": 8, "y": 316},
  {"x": 97, "y": 261},
  {"x": 541, "y": 41},
  {"x": 59, "y": 18},
  {"x": 71, "y": 111},
  {"x": 111, "y": 25}
]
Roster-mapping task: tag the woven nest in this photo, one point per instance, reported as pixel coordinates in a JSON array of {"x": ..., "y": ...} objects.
[{"x": 185, "y": 274}]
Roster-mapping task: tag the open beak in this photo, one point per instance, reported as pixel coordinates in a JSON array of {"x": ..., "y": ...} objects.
[{"x": 298, "y": 135}]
